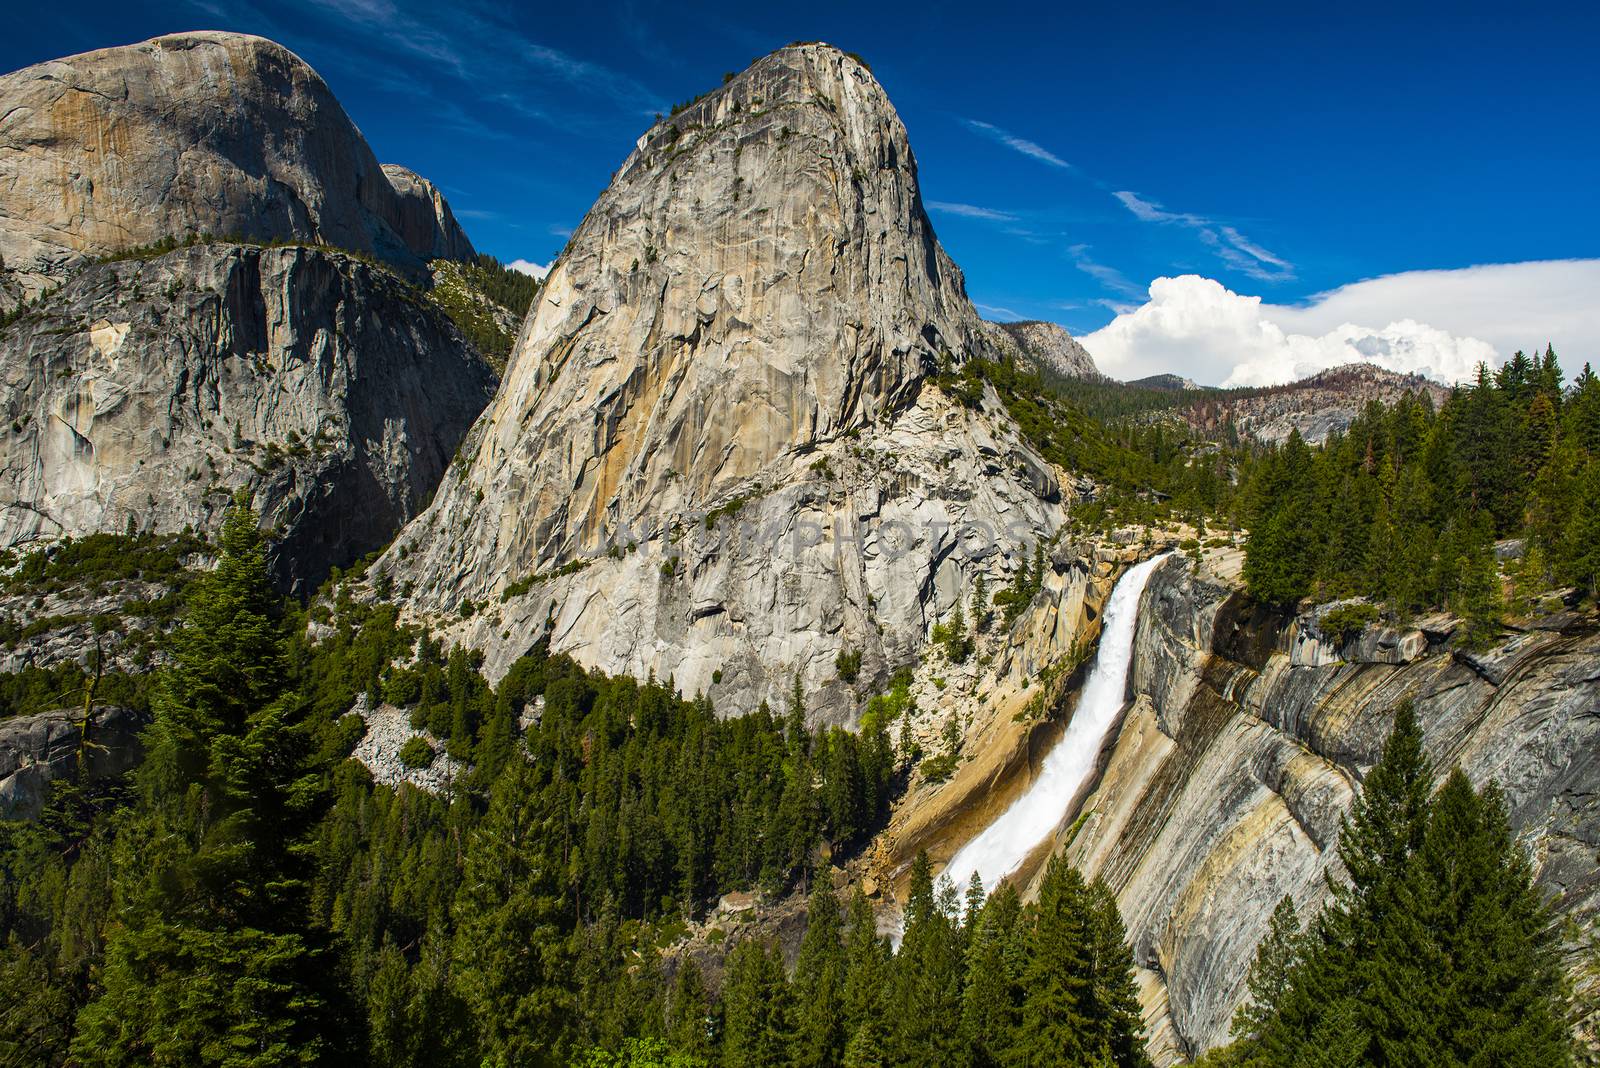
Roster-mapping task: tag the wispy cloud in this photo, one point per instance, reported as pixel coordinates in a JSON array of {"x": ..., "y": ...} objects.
[
  {"x": 1107, "y": 276},
  {"x": 970, "y": 211},
  {"x": 1019, "y": 144},
  {"x": 1232, "y": 247},
  {"x": 490, "y": 56},
  {"x": 995, "y": 309}
]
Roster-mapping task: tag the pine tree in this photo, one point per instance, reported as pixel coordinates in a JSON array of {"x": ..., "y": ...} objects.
[
  {"x": 926, "y": 978},
  {"x": 1467, "y": 971},
  {"x": 991, "y": 1001},
  {"x": 689, "y": 1020},
  {"x": 981, "y": 612},
  {"x": 1321, "y": 1018},
  {"x": 513, "y": 961},
  {"x": 867, "y": 964},
  {"x": 1270, "y": 974},
  {"x": 819, "y": 981},
  {"x": 1478, "y": 597},
  {"x": 757, "y": 1009},
  {"x": 1581, "y": 559},
  {"x": 1081, "y": 1006},
  {"x": 211, "y": 960}
]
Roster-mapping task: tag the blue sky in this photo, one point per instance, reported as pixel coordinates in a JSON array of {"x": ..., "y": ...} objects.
[{"x": 1070, "y": 155}]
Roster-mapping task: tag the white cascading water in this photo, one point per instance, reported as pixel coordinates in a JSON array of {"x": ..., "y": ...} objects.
[{"x": 1006, "y": 842}]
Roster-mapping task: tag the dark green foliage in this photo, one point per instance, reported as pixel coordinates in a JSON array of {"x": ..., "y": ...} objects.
[
  {"x": 1347, "y": 621},
  {"x": 1080, "y": 1005},
  {"x": 1436, "y": 948},
  {"x": 487, "y": 279},
  {"x": 819, "y": 980},
  {"x": 508, "y": 288},
  {"x": 94, "y": 561},
  {"x": 757, "y": 1009},
  {"x": 211, "y": 958},
  {"x": 1405, "y": 506},
  {"x": 848, "y": 664},
  {"x": 954, "y": 637},
  {"x": 416, "y": 753},
  {"x": 1270, "y": 974},
  {"x": 1150, "y": 470}
]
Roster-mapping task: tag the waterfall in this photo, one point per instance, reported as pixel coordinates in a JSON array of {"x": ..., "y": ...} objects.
[{"x": 1004, "y": 844}]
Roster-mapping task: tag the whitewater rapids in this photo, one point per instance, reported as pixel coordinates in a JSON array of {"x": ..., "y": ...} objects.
[{"x": 1006, "y": 842}]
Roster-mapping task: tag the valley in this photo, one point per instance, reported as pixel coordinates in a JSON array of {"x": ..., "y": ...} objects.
[{"x": 731, "y": 648}]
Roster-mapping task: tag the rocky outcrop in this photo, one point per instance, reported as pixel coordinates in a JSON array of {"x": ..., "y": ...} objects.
[
  {"x": 141, "y": 393},
  {"x": 715, "y": 455},
  {"x": 1318, "y": 406},
  {"x": 1046, "y": 346},
  {"x": 424, "y": 221},
  {"x": 192, "y": 133},
  {"x": 36, "y": 750},
  {"x": 1247, "y": 741}
]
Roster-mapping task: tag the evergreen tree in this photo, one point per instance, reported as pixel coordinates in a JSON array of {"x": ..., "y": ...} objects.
[
  {"x": 819, "y": 982},
  {"x": 1081, "y": 1006},
  {"x": 690, "y": 1023},
  {"x": 1465, "y": 970},
  {"x": 212, "y": 960},
  {"x": 513, "y": 959},
  {"x": 1271, "y": 973},
  {"x": 1321, "y": 1017},
  {"x": 757, "y": 1009},
  {"x": 926, "y": 978},
  {"x": 991, "y": 1001},
  {"x": 867, "y": 963}
]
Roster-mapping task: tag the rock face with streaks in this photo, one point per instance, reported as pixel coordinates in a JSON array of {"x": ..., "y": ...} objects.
[
  {"x": 141, "y": 385},
  {"x": 218, "y": 133},
  {"x": 1046, "y": 346},
  {"x": 716, "y": 454},
  {"x": 1247, "y": 741},
  {"x": 140, "y": 394},
  {"x": 1324, "y": 404}
]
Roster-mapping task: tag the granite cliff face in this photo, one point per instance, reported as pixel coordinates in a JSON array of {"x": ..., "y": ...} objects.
[
  {"x": 36, "y": 750},
  {"x": 217, "y": 133},
  {"x": 142, "y": 386},
  {"x": 142, "y": 392},
  {"x": 1247, "y": 740},
  {"x": 1046, "y": 346},
  {"x": 716, "y": 454}
]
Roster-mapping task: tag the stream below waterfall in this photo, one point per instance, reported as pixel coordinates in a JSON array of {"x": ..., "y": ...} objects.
[{"x": 1002, "y": 846}]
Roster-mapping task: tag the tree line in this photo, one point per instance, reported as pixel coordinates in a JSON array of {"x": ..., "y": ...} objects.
[{"x": 1405, "y": 507}]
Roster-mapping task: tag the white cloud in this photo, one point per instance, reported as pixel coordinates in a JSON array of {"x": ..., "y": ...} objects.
[
  {"x": 528, "y": 267},
  {"x": 1026, "y": 147},
  {"x": 1437, "y": 323}
]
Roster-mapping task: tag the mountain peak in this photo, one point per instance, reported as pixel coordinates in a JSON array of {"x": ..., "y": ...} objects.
[
  {"x": 750, "y": 310},
  {"x": 191, "y": 133}
]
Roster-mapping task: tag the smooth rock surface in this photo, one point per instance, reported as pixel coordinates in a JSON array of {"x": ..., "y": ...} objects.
[
  {"x": 37, "y": 749},
  {"x": 1226, "y": 785},
  {"x": 218, "y": 133},
  {"x": 1047, "y": 346}
]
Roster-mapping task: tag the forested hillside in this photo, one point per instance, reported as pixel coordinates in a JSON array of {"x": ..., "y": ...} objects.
[
  {"x": 1406, "y": 508},
  {"x": 251, "y": 896}
]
